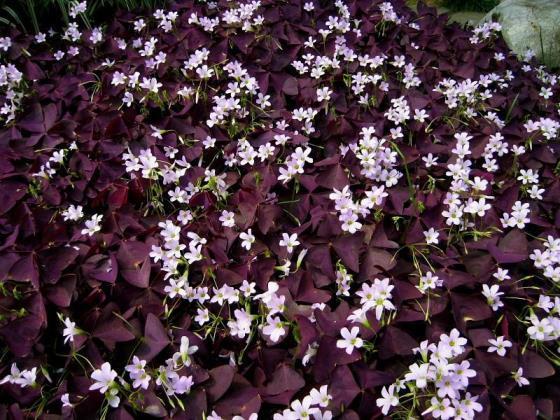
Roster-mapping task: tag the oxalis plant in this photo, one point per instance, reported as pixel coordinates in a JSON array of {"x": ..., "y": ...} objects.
[{"x": 286, "y": 210}]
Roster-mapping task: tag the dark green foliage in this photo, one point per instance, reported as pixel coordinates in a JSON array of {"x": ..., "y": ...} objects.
[
  {"x": 36, "y": 15},
  {"x": 471, "y": 5}
]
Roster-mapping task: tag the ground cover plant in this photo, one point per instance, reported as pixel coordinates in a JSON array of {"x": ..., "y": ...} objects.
[
  {"x": 277, "y": 209},
  {"x": 38, "y": 15}
]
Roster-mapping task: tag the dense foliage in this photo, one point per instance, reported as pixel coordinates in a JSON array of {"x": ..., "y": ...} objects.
[
  {"x": 282, "y": 209},
  {"x": 471, "y": 5},
  {"x": 41, "y": 15}
]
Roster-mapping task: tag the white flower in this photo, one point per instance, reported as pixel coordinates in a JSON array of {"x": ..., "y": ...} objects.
[
  {"x": 540, "y": 329},
  {"x": 325, "y": 415},
  {"x": 14, "y": 374},
  {"x": 545, "y": 92},
  {"x": 536, "y": 193},
  {"x": 194, "y": 253},
  {"x": 303, "y": 410},
  {"x": 350, "y": 340},
  {"x": 263, "y": 100},
  {"x": 324, "y": 94},
  {"x": 196, "y": 239},
  {"x": 350, "y": 222},
  {"x": 104, "y": 378},
  {"x": 184, "y": 353},
  {"x": 225, "y": 293},
  {"x": 202, "y": 317},
  {"x": 176, "y": 288},
  {"x": 463, "y": 372},
  {"x": 138, "y": 373},
  {"x": 182, "y": 384},
  {"x": 214, "y": 416},
  {"x": 65, "y": 399},
  {"x": 498, "y": 345},
  {"x": 289, "y": 241},
  {"x": 247, "y": 288},
  {"x": 136, "y": 366},
  {"x": 452, "y": 344},
  {"x": 157, "y": 132},
  {"x": 528, "y": 176},
  {"x": 73, "y": 213},
  {"x": 419, "y": 374},
  {"x": 128, "y": 99},
  {"x": 420, "y": 115},
  {"x": 93, "y": 225},
  {"x": 440, "y": 408},
  {"x": 22, "y": 378},
  {"x": 241, "y": 325},
  {"x": 69, "y": 331},
  {"x": 266, "y": 151},
  {"x": 227, "y": 219},
  {"x": 431, "y": 236},
  {"x": 518, "y": 377},
  {"x": 204, "y": 72},
  {"x": 501, "y": 274},
  {"x": 274, "y": 328},
  {"x": 423, "y": 349},
  {"x": 378, "y": 296},
  {"x": 492, "y": 295},
  {"x": 139, "y": 25},
  {"x": 388, "y": 399},
  {"x": 96, "y": 36},
  {"x": 77, "y": 8},
  {"x": 150, "y": 84},
  {"x": 5, "y": 43},
  {"x": 309, "y": 353},
  {"x": 429, "y": 281},
  {"x": 27, "y": 378},
  {"x": 470, "y": 404},
  {"x": 112, "y": 398},
  {"x": 209, "y": 142},
  {"x": 141, "y": 380},
  {"x": 118, "y": 79},
  {"x": 429, "y": 160},
  {"x": 321, "y": 396},
  {"x": 267, "y": 296},
  {"x": 247, "y": 238}
]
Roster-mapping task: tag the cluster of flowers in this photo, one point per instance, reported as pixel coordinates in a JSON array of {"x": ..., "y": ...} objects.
[
  {"x": 437, "y": 379},
  {"x": 23, "y": 378},
  {"x": 547, "y": 126},
  {"x": 399, "y": 112},
  {"x": 175, "y": 259},
  {"x": 11, "y": 87},
  {"x": 295, "y": 164},
  {"x": 376, "y": 296},
  {"x": 467, "y": 197},
  {"x": 314, "y": 404},
  {"x": 172, "y": 255},
  {"x": 388, "y": 13},
  {"x": 166, "y": 376},
  {"x": 546, "y": 328},
  {"x": 468, "y": 95},
  {"x": 485, "y": 31},
  {"x": 350, "y": 211},
  {"x": 293, "y": 189},
  {"x": 378, "y": 162},
  {"x": 518, "y": 217}
]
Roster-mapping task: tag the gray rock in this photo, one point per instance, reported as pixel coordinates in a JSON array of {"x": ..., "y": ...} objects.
[{"x": 533, "y": 24}]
